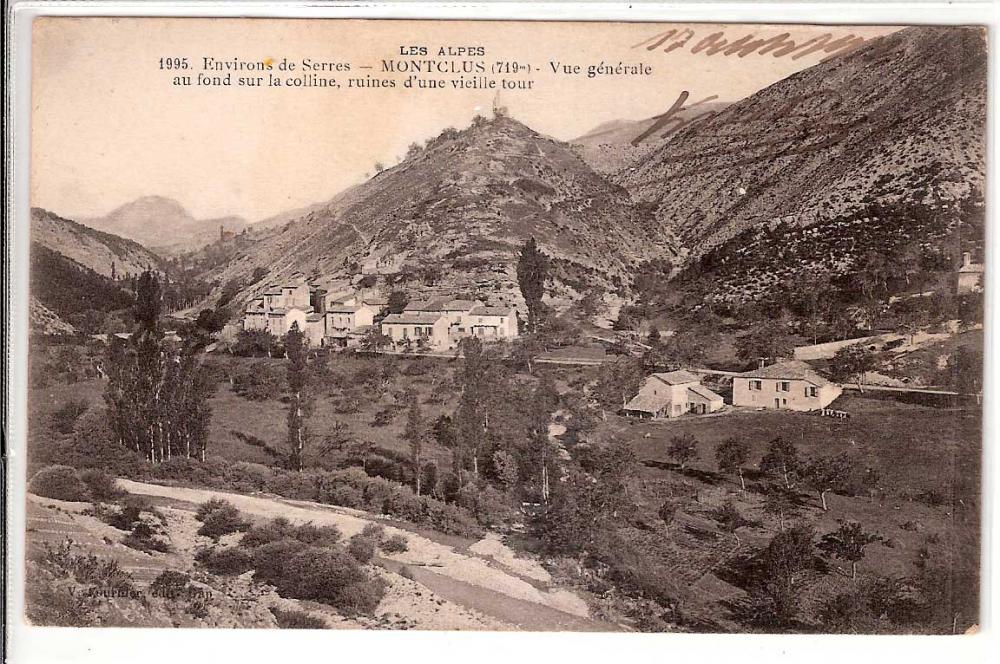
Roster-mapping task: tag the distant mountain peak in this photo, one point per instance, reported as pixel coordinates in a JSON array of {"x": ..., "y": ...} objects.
[{"x": 164, "y": 224}]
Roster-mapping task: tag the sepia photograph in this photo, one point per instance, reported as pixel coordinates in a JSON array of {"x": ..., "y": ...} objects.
[{"x": 505, "y": 326}]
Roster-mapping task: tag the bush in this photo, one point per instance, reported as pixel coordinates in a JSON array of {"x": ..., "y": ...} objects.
[
  {"x": 129, "y": 513},
  {"x": 265, "y": 533},
  {"x": 345, "y": 495},
  {"x": 269, "y": 560},
  {"x": 308, "y": 533},
  {"x": 225, "y": 561},
  {"x": 395, "y": 544},
  {"x": 280, "y": 528},
  {"x": 143, "y": 538},
  {"x": 64, "y": 419},
  {"x": 59, "y": 482},
  {"x": 361, "y": 548},
  {"x": 169, "y": 584},
  {"x": 374, "y": 532},
  {"x": 100, "y": 485},
  {"x": 333, "y": 577},
  {"x": 206, "y": 508},
  {"x": 297, "y": 619},
  {"x": 222, "y": 520},
  {"x": 87, "y": 569},
  {"x": 91, "y": 446}
]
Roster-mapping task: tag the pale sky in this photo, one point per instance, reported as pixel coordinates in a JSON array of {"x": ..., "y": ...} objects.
[{"x": 108, "y": 126}]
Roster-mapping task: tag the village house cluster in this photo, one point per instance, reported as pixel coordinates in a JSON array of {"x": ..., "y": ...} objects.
[
  {"x": 785, "y": 385},
  {"x": 343, "y": 320}
]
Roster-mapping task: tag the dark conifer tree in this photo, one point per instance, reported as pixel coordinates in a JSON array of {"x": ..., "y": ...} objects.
[{"x": 532, "y": 271}]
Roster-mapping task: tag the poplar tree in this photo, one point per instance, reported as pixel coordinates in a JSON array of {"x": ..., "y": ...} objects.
[
  {"x": 532, "y": 271},
  {"x": 295, "y": 351},
  {"x": 471, "y": 418},
  {"x": 414, "y": 434},
  {"x": 157, "y": 397}
]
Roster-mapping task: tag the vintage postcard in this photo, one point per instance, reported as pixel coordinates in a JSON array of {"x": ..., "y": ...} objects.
[{"x": 505, "y": 325}]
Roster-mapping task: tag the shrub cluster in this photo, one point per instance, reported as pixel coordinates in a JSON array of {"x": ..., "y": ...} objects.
[
  {"x": 220, "y": 517},
  {"x": 347, "y": 488},
  {"x": 169, "y": 583},
  {"x": 308, "y": 562},
  {"x": 59, "y": 482},
  {"x": 100, "y": 485},
  {"x": 395, "y": 544},
  {"x": 64, "y": 562},
  {"x": 225, "y": 561},
  {"x": 296, "y": 619}
]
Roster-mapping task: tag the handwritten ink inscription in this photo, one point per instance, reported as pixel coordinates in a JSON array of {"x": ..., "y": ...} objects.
[{"x": 779, "y": 46}]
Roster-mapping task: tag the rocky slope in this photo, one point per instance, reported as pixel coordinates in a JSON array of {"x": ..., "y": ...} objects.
[
  {"x": 93, "y": 249},
  {"x": 621, "y": 144},
  {"x": 164, "y": 225},
  {"x": 901, "y": 119},
  {"x": 455, "y": 215}
]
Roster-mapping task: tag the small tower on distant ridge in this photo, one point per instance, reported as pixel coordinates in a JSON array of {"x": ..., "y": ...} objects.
[{"x": 499, "y": 110}]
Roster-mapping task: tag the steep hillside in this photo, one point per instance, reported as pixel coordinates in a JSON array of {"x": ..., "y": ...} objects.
[
  {"x": 43, "y": 320},
  {"x": 454, "y": 215},
  {"x": 69, "y": 290},
  {"x": 621, "y": 144},
  {"x": 901, "y": 119},
  {"x": 164, "y": 225},
  {"x": 92, "y": 249}
]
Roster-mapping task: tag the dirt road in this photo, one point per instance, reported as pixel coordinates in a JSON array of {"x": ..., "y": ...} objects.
[{"x": 494, "y": 581}]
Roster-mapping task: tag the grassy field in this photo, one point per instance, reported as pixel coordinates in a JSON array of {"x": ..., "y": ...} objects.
[
  {"x": 916, "y": 449},
  {"x": 929, "y": 460}
]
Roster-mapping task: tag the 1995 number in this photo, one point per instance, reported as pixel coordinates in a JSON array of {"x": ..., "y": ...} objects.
[{"x": 173, "y": 63}]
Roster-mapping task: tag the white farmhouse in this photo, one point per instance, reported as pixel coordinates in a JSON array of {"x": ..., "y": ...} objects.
[
  {"x": 786, "y": 385},
  {"x": 672, "y": 394}
]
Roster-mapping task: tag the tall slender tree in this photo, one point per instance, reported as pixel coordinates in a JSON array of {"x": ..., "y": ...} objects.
[
  {"x": 532, "y": 272},
  {"x": 471, "y": 419},
  {"x": 414, "y": 434},
  {"x": 157, "y": 396},
  {"x": 298, "y": 378}
]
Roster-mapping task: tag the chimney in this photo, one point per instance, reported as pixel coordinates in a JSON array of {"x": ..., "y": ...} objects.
[
  {"x": 761, "y": 365},
  {"x": 966, "y": 258}
]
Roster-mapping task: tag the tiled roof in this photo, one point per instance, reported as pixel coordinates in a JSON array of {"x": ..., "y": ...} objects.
[
  {"x": 648, "y": 403},
  {"x": 492, "y": 311},
  {"x": 972, "y": 267},
  {"x": 314, "y": 318},
  {"x": 788, "y": 370},
  {"x": 425, "y": 305},
  {"x": 704, "y": 392},
  {"x": 459, "y": 305},
  {"x": 407, "y": 318},
  {"x": 678, "y": 377},
  {"x": 343, "y": 309}
]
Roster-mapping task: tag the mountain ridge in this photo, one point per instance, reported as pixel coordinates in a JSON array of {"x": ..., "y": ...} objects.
[
  {"x": 898, "y": 115},
  {"x": 454, "y": 215}
]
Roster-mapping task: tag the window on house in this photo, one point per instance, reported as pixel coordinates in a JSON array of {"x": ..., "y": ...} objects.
[
  {"x": 812, "y": 391},
  {"x": 783, "y": 386},
  {"x": 756, "y": 385}
]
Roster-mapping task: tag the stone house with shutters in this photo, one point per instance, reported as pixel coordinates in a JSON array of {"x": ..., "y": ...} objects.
[
  {"x": 491, "y": 323},
  {"x": 785, "y": 385},
  {"x": 673, "y": 394},
  {"x": 417, "y": 330}
]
